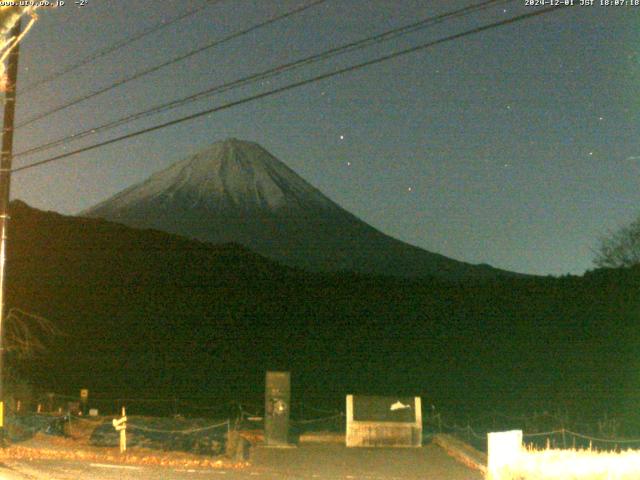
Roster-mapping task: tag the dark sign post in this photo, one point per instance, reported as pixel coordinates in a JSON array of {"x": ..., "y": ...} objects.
[
  {"x": 84, "y": 401},
  {"x": 276, "y": 407}
]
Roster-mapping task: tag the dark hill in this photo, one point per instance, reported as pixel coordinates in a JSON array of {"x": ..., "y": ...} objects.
[{"x": 150, "y": 314}]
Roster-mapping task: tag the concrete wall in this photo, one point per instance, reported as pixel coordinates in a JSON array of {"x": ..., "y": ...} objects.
[{"x": 364, "y": 433}]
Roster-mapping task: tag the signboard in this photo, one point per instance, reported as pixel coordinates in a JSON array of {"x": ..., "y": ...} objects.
[
  {"x": 84, "y": 400},
  {"x": 276, "y": 408},
  {"x": 384, "y": 409},
  {"x": 384, "y": 421}
]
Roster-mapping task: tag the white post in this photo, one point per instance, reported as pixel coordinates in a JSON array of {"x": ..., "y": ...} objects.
[
  {"x": 348, "y": 434},
  {"x": 121, "y": 426},
  {"x": 503, "y": 452},
  {"x": 123, "y": 434}
]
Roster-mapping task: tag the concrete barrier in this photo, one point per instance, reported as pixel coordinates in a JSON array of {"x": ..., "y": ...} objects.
[{"x": 504, "y": 450}]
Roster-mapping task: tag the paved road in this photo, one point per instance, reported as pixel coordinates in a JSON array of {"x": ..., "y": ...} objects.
[{"x": 307, "y": 462}]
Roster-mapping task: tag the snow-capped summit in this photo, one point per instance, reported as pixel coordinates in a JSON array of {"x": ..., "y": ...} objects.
[
  {"x": 231, "y": 174},
  {"x": 236, "y": 191}
]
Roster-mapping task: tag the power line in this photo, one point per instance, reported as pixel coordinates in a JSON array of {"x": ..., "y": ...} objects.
[
  {"x": 294, "y": 85},
  {"x": 116, "y": 46},
  {"x": 174, "y": 60},
  {"x": 272, "y": 72}
]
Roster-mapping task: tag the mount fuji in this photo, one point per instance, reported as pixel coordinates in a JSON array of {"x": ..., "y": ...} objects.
[{"x": 236, "y": 191}]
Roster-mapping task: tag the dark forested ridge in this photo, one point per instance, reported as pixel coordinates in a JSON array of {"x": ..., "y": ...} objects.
[{"x": 144, "y": 312}]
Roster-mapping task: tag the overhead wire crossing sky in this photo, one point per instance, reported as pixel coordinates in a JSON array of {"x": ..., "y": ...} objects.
[
  {"x": 292, "y": 86},
  {"x": 172, "y": 61},
  {"x": 273, "y": 72}
]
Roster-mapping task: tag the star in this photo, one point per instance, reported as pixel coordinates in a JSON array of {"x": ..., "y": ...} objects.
[
  {"x": 600, "y": 118},
  {"x": 341, "y": 137},
  {"x": 348, "y": 164},
  {"x": 410, "y": 189},
  {"x": 591, "y": 154}
]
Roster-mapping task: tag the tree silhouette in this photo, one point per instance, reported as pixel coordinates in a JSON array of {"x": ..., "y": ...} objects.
[
  {"x": 25, "y": 337},
  {"x": 619, "y": 248}
]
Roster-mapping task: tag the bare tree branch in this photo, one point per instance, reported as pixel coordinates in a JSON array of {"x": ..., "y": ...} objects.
[
  {"x": 620, "y": 248},
  {"x": 25, "y": 333}
]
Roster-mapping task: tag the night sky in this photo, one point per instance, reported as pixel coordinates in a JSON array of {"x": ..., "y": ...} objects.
[{"x": 516, "y": 147}]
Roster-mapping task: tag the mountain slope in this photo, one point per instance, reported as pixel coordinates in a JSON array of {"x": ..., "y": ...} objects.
[
  {"x": 236, "y": 191},
  {"x": 153, "y": 315}
]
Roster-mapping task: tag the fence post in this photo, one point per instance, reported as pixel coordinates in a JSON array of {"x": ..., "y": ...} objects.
[
  {"x": 123, "y": 433},
  {"x": 121, "y": 426}
]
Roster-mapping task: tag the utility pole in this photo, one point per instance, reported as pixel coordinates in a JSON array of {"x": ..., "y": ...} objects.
[{"x": 5, "y": 183}]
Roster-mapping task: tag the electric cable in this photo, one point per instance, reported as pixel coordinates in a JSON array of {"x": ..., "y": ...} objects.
[
  {"x": 116, "y": 46},
  {"x": 269, "y": 73},
  {"x": 291, "y": 86},
  {"x": 174, "y": 60}
]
